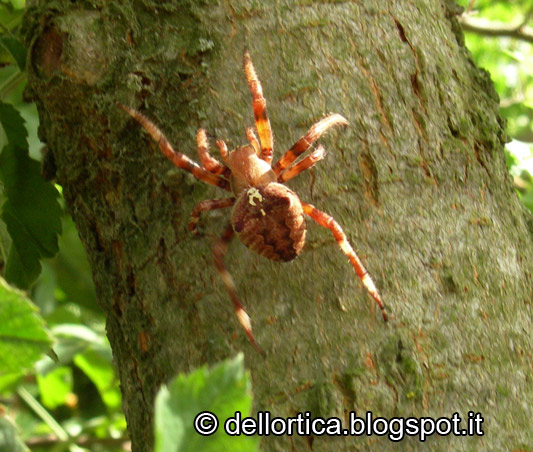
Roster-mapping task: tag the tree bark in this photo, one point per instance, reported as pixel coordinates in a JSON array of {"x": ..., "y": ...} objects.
[{"x": 418, "y": 181}]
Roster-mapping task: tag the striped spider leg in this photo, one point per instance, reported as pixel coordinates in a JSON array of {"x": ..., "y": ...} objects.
[
  {"x": 267, "y": 216},
  {"x": 219, "y": 250},
  {"x": 206, "y": 206},
  {"x": 304, "y": 143},
  {"x": 262, "y": 122},
  {"x": 210, "y": 163},
  {"x": 177, "y": 158},
  {"x": 285, "y": 169},
  {"x": 215, "y": 173},
  {"x": 328, "y": 222}
]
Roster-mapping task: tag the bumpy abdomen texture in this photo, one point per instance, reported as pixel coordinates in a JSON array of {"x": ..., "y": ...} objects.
[{"x": 270, "y": 221}]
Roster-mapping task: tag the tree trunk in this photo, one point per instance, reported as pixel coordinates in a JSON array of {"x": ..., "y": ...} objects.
[{"x": 418, "y": 182}]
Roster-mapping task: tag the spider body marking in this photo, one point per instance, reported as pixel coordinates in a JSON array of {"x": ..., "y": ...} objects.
[
  {"x": 269, "y": 219},
  {"x": 267, "y": 216}
]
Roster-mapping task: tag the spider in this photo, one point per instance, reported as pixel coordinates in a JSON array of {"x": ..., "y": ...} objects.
[{"x": 267, "y": 216}]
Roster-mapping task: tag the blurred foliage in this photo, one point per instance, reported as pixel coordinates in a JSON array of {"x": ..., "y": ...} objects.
[
  {"x": 510, "y": 63},
  {"x": 70, "y": 399}
]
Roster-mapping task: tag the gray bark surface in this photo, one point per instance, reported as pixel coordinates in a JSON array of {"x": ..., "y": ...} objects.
[{"x": 418, "y": 181}]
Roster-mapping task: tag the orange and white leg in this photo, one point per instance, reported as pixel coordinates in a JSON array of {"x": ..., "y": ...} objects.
[
  {"x": 206, "y": 206},
  {"x": 219, "y": 250},
  {"x": 210, "y": 163},
  {"x": 253, "y": 140},
  {"x": 303, "y": 144},
  {"x": 223, "y": 148},
  {"x": 304, "y": 164},
  {"x": 177, "y": 158},
  {"x": 262, "y": 122},
  {"x": 327, "y": 221}
]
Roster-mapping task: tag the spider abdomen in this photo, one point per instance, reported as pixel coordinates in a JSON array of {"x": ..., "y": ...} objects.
[
  {"x": 269, "y": 220},
  {"x": 267, "y": 216}
]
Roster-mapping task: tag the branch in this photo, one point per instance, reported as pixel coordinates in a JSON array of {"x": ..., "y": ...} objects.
[
  {"x": 53, "y": 441},
  {"x": 487, "y": 28}
]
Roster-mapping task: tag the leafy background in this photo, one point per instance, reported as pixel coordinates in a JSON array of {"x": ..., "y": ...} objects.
[
  {"x": 503, "y": 45},
  {"x": 69, "y": 398}
]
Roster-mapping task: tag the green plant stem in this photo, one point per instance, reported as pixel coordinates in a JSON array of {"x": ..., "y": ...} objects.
[
  {"x": 47, "y": 418},
  {"x": 41, "y": 411}
]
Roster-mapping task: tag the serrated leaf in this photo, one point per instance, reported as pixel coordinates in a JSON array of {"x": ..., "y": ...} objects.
[
  {"x": 16, "y": 50},
  {"x": 13, "y": 125},
  {"x": 23, "y": 338},
  {"x": 222, "y": 390},
  {"x": 31, "y": 211},
  {"x": 21, "y": 273}
]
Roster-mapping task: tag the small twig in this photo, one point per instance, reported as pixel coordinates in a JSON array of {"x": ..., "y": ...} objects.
[
  {"x": 82, "y": 441},
  {"x": 526, "y": 19},
  {"x": 485, "y": 28}
]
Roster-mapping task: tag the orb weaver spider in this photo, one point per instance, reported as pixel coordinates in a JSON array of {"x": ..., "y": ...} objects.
[{"x": 267, "y": 216}]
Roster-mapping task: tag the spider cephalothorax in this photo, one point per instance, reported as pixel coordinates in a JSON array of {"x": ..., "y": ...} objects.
[{"x": 267, "y": 216}]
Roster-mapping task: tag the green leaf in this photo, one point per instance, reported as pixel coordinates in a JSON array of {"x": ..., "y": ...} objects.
[
  {"x": 22, "y": 272},
  {"x": 55, "y": 386},
  {"x": 29, "y": 201},
  {"x": 23, "y": 338},
  {"x": 15, "y": 3},
  {"x": 9, "y": 437},
  {"x": 222, "y": 390},
  {"x": 11, "y": 14},
  {"x": 13, "y": 125},
  {"x": 18, "y": 4},
  {"x": 16, "y": 49},
  {"x": 9, "y": 382},
  {"x": 31, "y": 211},
  {"x": 100, "y": 371}
]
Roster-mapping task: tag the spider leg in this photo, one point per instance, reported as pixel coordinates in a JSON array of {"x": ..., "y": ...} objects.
[
  {"x": 304, "y": 143},
  {"x": 327, "y": 221},
  {"x": 219, "y": 250},
  {"x": 210, "y": 163},
  {"x": 206, "y": 206},
  {"x": 253, "y": 140},
  {"x": 260, "y": 112},
  {"x": 222, "y": 146},
  {"x": 304, "y": 164},
  {"x": 177, "y": 158}
]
